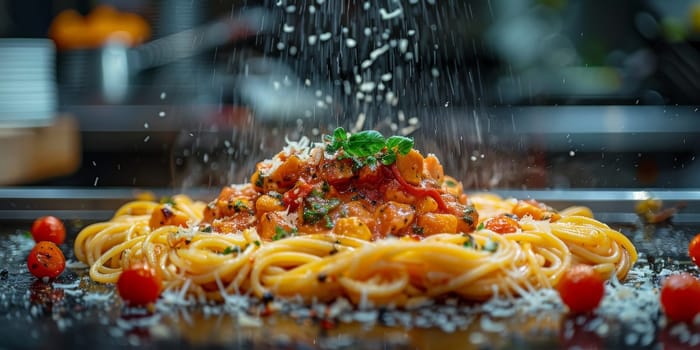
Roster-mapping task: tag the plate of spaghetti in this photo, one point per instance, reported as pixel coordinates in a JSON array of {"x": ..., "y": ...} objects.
[{"x": 360, "y": 217}]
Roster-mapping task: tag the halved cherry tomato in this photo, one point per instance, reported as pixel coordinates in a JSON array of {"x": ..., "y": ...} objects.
[
  {"x": 502, "y": 224},
  {"x": 680, "y": 297},
  {"x": 46, "y": 260},
  {"x": 139, "y": 285},
  {"x": 49, "y": 228},
  {"x": 581, "y": 289},
  {"x": 694, "y": 250}
]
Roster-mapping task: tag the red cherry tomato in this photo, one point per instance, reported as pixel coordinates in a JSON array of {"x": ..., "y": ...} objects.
[
  {"x": 502, "y": 224},
  {"x": 139, "y": 285},
  {"x": 581, "y": 289},
  {"x": 46, "y": 260},
  {"x": 48, "y": 228},
  {"x": 680, "y": 297},
  {"x": 694, "y": 250}
]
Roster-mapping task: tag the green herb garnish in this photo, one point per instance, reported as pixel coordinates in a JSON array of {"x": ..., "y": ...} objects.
[
  {"x": 317, "y": 208},
  {"x": 419, "y": 230},
  {"x": 480, "y": 227},
  {"x": 469, "y": 243},
  {"x": 206, "y": 229},
  {"x": 467, "y": 217},
  {"x": 368, "y": 146},
  {"x": 260, "y": 180},
  {"x": 239, "y": 206},
  {"x": 274, "y": 194},
  {"x": 167, "y": 200},
  {"x": 329, "y": 222},
  {"x": 280, "y": 233},
  {"x": 490, "y": 246},
  {"x": 257, "y": 243},
  {"x": 228, "y": 250}
]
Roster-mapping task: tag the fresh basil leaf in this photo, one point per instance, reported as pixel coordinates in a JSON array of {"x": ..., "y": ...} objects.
[
  {"x": 389, "y": 158},
  {"x": 339, "y": 134},
  {"x": 371, "y": 161},
  {"x": 402, "y": 144},
  {"x": 365, "y": 143}
]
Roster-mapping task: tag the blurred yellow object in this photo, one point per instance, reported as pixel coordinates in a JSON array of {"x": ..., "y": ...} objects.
[
  {"x": 70, "y": 30},
  {"x": 653, "y": 212},
  {"x": 694, "y": 14},
  {"x": 648, "y": 205}
]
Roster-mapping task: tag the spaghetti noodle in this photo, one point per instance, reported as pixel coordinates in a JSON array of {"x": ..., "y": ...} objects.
[{"x": 383, "y": 227}]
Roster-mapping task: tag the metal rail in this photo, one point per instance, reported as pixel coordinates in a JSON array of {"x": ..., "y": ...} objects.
[{"x": 98, "y": 203}]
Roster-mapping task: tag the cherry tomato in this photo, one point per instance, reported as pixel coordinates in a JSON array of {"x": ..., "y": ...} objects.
[
  {"x": 46, "y": 260},
  {"x": 680, "y": 297},
  {"x": 581, "y": 289},
  {"x": 48, "y": 228},
  {"x": 502, "y": 224},
  {"x": 139, "y": 285},
  {"x": 694, "y": 250}
]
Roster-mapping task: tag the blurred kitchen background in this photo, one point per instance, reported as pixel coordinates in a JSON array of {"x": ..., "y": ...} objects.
[{"x": 510, "y": 95}]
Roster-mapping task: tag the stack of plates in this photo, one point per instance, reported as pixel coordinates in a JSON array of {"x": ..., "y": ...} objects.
[{"x": 27, "y": 82}]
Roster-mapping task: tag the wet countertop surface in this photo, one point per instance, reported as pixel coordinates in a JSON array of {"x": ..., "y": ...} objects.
[{"x": 73, "y": 312}]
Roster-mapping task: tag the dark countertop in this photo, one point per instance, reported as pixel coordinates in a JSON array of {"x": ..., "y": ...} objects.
[{"x": 74, "y": 312}]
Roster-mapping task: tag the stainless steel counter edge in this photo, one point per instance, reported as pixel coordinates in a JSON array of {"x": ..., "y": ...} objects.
[{"x": 22, "y": 203}]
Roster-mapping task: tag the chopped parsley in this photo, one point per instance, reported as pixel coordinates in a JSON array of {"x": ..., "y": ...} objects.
[
  {"x": 467, "y": 217},
  {"x": 491, "y": 246},
  {"x": 480, "y": 227},
  {"x": 329, "y": 222},
  {"x": 281, "y": 233},
  {"x": 239, "y": 206},
  {"x": 469, "y": 243},
  {"x": 206, "y": 229},
  {"x": 168, "y": 200},
  {"x": 229, "y": 250},
  {"x": 318, "y": 208},
  {"x": 260, "y": 180},
  {"x": 275, "y": 194},
  {"x": 419, "y": 230},
  {"x": 257, "y": 243}
]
